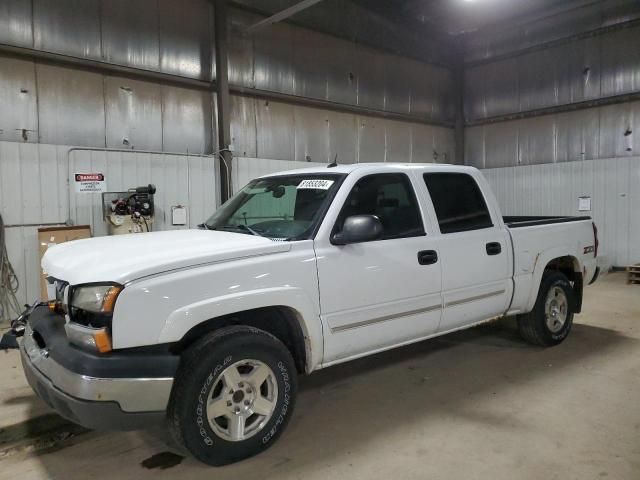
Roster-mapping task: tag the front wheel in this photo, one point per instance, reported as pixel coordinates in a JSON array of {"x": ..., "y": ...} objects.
[
  {"x": 233, "y": 395},
  {"x": 550, "y": 321}
]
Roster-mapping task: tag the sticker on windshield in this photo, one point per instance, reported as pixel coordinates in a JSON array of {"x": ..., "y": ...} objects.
[{"x": 315, "y": 184}]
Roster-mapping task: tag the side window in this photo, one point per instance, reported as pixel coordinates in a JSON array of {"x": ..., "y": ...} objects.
[
  {"x": 458, "y": 202},
  {"x": 391, "y": 198}
]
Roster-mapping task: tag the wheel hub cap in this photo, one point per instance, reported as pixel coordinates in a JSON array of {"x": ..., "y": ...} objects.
[
  {"x": 556, "y": 309},
  {"x": 242, "y": 400}
]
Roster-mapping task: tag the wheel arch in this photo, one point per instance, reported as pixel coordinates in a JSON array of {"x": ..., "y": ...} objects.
[
  {"x": 283, "y": 322},
  {"x": 569, "y": 266}
]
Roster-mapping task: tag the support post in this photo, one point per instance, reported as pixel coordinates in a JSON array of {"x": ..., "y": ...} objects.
[{"x": 222, "y": 96}]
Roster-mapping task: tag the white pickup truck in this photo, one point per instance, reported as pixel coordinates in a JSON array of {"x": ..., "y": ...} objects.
[{"x": 208, "y": 329}]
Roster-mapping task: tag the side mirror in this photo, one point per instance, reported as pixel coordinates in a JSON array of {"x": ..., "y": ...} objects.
[{"x": 358, "y": 228}]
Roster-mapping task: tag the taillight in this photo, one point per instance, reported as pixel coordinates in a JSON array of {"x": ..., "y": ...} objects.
[{"x": 595, "y": 240}]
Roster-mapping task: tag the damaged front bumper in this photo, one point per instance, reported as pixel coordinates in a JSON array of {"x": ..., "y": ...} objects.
[{"x": 122, "y": 390}]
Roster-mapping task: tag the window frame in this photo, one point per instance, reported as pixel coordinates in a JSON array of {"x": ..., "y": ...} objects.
[
  {"x": 479, "y": 190},
  {"x": 412, "y": 196}
]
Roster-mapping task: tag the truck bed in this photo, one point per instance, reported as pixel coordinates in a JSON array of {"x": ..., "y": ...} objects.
[{"x": 530, "y": 221}]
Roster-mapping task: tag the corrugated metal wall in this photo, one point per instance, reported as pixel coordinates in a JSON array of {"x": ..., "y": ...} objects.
[
  {"x": 586, "y": 69},
  {"x": 276, "y": 130},
  {"x": 34, "y": 190},
  {"x": 602, "y": 132},
  {"x": 539, "y": 160},
  {"x": 48, "y": 105},
  {"x": 612, "y": 184},
  {"x": 67, "y": 106}
]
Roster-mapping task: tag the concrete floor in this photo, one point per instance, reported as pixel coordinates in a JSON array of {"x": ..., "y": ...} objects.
[{"x": 475, "y": 404}]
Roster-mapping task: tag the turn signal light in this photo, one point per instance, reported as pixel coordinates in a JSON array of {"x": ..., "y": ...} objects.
[
  {"x": 55, "y": 306},
  {"x": 103, "y": 341}
]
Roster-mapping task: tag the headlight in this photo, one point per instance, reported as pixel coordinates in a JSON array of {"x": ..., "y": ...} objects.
[
  {"x": 90, "y": 313},
  {"x": 95, "y": 298}
]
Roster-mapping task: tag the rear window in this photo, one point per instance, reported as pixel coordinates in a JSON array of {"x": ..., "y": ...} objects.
[{"x": 458, "y": 202}]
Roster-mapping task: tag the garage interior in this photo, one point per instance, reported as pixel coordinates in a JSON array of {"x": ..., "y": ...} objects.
[{"x": 199, "y": 96}]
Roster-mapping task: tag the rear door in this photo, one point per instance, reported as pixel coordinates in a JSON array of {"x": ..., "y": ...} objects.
[
  {"x": 474, "y": 249},
  {"x": 380, "y": 293}
]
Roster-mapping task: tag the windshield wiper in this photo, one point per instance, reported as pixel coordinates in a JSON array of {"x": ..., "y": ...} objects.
[
  {"x": 248, "y": 229},
  {"x": 242, "y": 228}
]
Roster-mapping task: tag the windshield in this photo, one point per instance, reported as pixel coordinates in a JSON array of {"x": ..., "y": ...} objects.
[{"x": 281, "y": 208}]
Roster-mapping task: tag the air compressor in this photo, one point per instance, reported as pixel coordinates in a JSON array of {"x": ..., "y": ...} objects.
[{"x": 129, "y": 212}]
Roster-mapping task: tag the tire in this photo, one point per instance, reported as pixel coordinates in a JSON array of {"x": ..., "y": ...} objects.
[
  {"x": 222, "y": 374},
  {"x": 540, "y": 326}
]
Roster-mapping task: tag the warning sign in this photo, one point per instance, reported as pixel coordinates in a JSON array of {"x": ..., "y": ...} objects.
[{"x": 90, "y": 183}]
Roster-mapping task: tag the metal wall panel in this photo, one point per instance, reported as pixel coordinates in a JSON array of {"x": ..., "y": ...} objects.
[
  {"x": 246, "y": 169},
  {"x": 130, "y": 33},
  {"x": 311, "y": 53},
  {"x": 536, "y": 81},
  {"x": 15, "y": 23},
  {"x": 536, "y": 141},
  {"x": 548, "y": 28},
  {"x": 371, "y": 141},
  {"x": 554, "y": 190},
  {"x": 342, "y": 81},
  {"x": 615, "y": 121},
  {"x": 584, "y": 69},
  {"x": 311, "y": 135},
  {"x": 70, "y": 27},
  {"x": 421, "y": 90},
  {"x": 273, "y": 58},
  {"x": 583, "y": 59},
  {"x": 187, "y": 120},
  {"x": 621, "y": 62},
  {"x": 444, "y": 145},
  {"x": 474, "y": 147},
  {"x": 501, "y": 145},
  {"x": 18, "y": 100},
  {"x": 397, "y": 92},
  {"x": 577, "y": 135},
  {"x": 133, "y": 114},
  {"x": 243, "y": 126},
  {"x": 603, "y": 132},
  {"x": 186, "y": 38},
  {"x": 275, "y": 130},
  {"x": 343, "y": 136},
  {"x": 241, "y": 48},
  {"x": 397, "y": 141},
  {"x": 474, "y": 97},
  {"x": 371, "y": 71},
  {"x": 501, "y": 83},
  {"x": 422, "y": 149},
  {"x": 71, "y": 106}
]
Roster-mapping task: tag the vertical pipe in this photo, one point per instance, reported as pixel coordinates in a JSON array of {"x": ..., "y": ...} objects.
[{"x": 222, "y": 94}]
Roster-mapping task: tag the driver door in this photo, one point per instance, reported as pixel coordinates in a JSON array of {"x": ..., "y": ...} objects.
[{"x": 381, "y": 293}]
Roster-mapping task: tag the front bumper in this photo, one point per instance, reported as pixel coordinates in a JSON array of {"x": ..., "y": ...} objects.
[{"x": 124, "y": 390}]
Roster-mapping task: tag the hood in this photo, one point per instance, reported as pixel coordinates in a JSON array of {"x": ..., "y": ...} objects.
[{"x": 123, "y": 258}]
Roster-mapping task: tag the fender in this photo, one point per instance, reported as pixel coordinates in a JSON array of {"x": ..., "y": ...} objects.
[
  {"x": 185, "y": 318},
  {"x": 541, "y": 262}
]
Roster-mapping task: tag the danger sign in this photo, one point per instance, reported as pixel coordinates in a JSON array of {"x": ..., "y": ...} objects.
[{"x": 90, "y": 183}]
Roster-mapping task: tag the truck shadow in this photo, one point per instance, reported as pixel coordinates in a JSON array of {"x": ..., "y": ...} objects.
[{"x": 347, "y": 407}]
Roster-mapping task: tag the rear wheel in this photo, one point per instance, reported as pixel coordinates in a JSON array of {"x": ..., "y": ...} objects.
[
  {"x": 234, "y": 393},
  {"x": 550, "y": 321}
]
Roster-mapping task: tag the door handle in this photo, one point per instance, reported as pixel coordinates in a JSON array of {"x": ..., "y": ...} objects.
[
  {"x": 494, "y": 248},
  {"x": 427, "y": 257}
]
